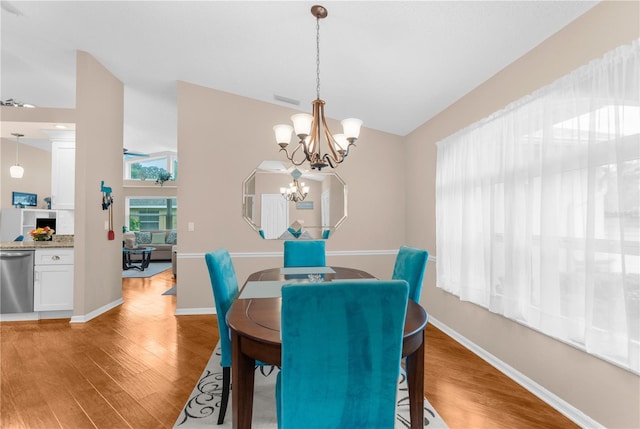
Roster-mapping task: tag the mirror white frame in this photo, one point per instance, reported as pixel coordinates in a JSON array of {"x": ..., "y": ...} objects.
[{"x": 274, "y": 217}]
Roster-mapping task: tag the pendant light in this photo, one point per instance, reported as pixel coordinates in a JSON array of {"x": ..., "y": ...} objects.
[
  {"x": 312, "y": 130},
  {"x": 16, "y": 170}
]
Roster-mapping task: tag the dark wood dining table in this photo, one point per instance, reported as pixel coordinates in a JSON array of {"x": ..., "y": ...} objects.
[{"x": 255, "y": 335}]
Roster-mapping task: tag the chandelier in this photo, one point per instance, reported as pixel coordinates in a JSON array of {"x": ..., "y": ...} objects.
[
  {"x": 16, "y": 171},
  {"x": 296, "y": 191},
  {"x": 311, "y": 129}
]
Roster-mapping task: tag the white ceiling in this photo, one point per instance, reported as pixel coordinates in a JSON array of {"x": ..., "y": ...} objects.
[{"x": 393, "y": 64}]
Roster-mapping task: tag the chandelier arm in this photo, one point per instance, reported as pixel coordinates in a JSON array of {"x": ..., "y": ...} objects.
[
  {"x": 292, "y": 156},
  {"x": 314, "y": 139},
  {"x": 332, "y": 162},
  {"x": 342, "y": 158},
  {"x": 331, "y": 142},
  {"x": 325, "y": 130}
]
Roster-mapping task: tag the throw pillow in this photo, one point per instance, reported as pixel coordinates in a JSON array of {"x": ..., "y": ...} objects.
[
  {"x": 172, "y": 237},
  {"x": 295, "y": 233},
  {"x": 157, "y": 237},
  {"x": 143, "y": 237}
]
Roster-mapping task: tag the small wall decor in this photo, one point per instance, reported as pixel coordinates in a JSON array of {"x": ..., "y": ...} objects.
[
  {"x": 304, "y": 205},
  {"x": 107, "y": 204},
  {"x": 107, "y": 199}
]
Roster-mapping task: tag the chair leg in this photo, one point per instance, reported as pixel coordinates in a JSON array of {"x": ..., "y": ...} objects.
[{"x": 226, "y": 383}]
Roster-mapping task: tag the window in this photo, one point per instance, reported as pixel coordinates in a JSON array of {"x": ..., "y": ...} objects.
[
  {"x": 149, "y": 167},
  {"x": 151, "y": 213},
  {"x": 538, "y": 210}
]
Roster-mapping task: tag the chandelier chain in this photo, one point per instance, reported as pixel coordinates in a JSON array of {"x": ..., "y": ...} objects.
[{"x": 317, "y": 57}]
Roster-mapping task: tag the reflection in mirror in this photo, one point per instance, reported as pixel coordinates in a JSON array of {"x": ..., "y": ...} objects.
[{"x": 290, "y": 203}]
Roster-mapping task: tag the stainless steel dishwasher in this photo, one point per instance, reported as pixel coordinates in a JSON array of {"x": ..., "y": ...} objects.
[{"x": 16, "y": 281}]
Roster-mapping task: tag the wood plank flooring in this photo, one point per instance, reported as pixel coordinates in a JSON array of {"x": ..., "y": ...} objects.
[{"x": 135, "y": 366}]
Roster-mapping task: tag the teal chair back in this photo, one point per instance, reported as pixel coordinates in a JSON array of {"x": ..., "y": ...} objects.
[
  {"x": 304, "y": 253},
  {"x": 225, "y": 290},
  {"x": 410, "y": 265},
  {"x": 341, "y": 351}
]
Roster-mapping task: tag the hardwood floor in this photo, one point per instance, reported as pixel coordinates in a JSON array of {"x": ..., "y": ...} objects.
[{"x": 135, "y": 366}]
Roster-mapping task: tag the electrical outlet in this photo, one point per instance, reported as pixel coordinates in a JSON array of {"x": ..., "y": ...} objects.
[
  {"x": 191, "y": 226},
  {"x": 106, "y": 225}
]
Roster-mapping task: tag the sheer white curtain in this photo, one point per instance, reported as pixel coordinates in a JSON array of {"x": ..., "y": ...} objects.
[{"x": 538, "y": 209}]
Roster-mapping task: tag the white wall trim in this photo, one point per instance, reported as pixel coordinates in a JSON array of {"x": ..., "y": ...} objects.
[
  {"x": 195, "y": 311},
  {"x": 95, "y": 313},
  {"x": 562, "y": 406},
  {"x": 239, "y": 255}
]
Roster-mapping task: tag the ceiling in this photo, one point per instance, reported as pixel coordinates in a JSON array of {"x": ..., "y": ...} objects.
[{"x": 393, "y": 64}]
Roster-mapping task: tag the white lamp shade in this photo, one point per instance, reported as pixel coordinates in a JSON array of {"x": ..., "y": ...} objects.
[
  {"x": 283, "y": 133},
  {"x": 351, "y": 127},
  {"x": 305, "y": 189},
  {"x": 16, "y": 171},
  {"x": 302, "y": 123},
  {"x": 341, "y": 140}
]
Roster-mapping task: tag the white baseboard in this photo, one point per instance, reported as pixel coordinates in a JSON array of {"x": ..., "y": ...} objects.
[
  {"x": 86, "y": 317},
  {"x": 195, "y": 311},
  {"x": 553, "y": 400}
]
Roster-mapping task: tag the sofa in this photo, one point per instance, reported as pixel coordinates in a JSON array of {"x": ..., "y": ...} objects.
[{"x": 163, "y": 241}]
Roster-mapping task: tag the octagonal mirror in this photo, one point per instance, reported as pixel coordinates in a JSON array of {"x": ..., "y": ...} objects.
[{"x": 293, "y": 203}]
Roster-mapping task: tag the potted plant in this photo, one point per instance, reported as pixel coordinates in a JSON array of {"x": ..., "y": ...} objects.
[{"x": 163, "y": 176}]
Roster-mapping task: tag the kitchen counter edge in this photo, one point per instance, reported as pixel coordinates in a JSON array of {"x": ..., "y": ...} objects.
[{"x": 29, "y": 245}]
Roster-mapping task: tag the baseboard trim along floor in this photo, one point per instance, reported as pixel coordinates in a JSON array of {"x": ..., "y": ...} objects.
[{"x": 553, "y": 400}]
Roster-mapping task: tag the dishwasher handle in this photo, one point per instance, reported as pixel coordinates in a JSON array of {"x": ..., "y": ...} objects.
[{"x": 13, "y": 255}]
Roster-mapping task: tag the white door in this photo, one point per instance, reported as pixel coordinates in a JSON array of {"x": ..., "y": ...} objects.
[
  {"x": 326, "y": 209},
  {"x": 274, "y": 219}
]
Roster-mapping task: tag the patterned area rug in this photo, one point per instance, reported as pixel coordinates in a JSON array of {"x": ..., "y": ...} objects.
[
  {"x": 203, "y": 406},
  {"x": 153, "y": 269},
  {"x": 171, "y": 291}
]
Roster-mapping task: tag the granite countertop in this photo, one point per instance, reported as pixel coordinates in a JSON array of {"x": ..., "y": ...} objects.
[{"x": 62, "y": 241}]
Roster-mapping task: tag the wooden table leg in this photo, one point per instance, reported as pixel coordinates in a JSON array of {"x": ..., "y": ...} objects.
[
  {"x": 242, "y": 379},
  {"x": 415, "y": 380}
]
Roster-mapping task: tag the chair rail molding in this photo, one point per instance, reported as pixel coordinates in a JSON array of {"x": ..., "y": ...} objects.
[{"x": 279, "y": 254}]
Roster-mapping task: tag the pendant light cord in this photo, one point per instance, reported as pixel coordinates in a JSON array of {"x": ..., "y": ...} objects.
[
  {"x": 17, "y": 135},
  {"x": 318, "y": 57}
]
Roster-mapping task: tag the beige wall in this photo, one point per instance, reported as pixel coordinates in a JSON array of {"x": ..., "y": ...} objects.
[
  {"x": 37, "y": 172},
  {"x": 604, "y": 392},
  {"x": 221, "y": 139},
  {"x": 99, "y": 128}
]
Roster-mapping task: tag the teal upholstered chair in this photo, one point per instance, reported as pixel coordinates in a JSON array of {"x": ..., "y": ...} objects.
[
  {"x": 410, "y": 265},
  {"x": 341, "y": 351},
  {"x": 225, "y": 290},
  {"x": 304, "y": 253}
]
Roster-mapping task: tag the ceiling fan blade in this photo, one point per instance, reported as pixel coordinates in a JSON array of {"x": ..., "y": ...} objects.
[{"x": 128, "y": 154}]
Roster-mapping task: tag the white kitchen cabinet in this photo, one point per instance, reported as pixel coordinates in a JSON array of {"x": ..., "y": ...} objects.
[
  {"x": 63, "y": 177},
  {"x": 53, "y": 280}
]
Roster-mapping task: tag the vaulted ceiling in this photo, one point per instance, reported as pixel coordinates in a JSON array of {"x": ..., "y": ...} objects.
[{"x": 393, "y": 64}]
